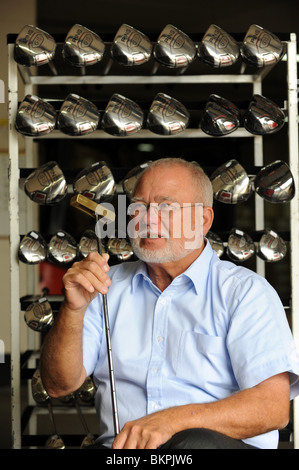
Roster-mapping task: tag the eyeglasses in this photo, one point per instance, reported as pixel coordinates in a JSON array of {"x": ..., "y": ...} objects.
[{"x": 161, "y": 209}]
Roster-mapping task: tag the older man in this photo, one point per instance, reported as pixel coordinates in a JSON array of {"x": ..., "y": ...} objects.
[{"x": 203, "y": 355}]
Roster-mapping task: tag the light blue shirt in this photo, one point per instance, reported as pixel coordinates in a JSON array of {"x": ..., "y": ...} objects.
[{"x": 216, "y": 329}]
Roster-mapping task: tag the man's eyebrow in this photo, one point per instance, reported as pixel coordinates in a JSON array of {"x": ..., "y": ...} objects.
[{"x": 157, "y": 199}]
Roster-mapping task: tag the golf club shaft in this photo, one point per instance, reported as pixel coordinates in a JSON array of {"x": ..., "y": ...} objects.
[
  {"x": 51, "y": 414},
  {"x": 109, "y": 352},
  {"x": 81, "y": 417}
]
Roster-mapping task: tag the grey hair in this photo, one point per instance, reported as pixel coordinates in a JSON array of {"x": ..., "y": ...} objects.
[{"x": 199, "y": 177}]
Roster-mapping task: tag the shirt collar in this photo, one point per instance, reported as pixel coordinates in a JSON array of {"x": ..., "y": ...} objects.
[{"x": 197, "y": 271}]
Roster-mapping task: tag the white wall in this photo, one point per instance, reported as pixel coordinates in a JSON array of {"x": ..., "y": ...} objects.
[{"x": 14, "y": 15}]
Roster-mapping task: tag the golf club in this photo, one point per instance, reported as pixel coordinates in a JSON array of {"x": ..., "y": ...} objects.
[
  {"x": 261, "y": 48},
  {"x": 77, "y": 116},
  {"x": 39, "y": 316},
  {"x": 122, "y": 116},
  {"x": 231, "y": 184},
  {"x": 46, "y": 185},
  {"x": 35, "y": 117},
  {"x": 32, "y": 248},
  {"x": 167, "y": 116},
  {"x": 263, "y": 116},
  {"x": 62, "y": 248},
  {"x": 128, "y": 183},
  {"x": 121, "y": 248},
  {"x": 87, "y": 390},
  {"x": 89, "y": 438},
  {"x": 218, "y": 48},
  {"x": 174, "y": 48},
  {"x": 220, "y": 117},
  {"x": 34, "y": 46},
  {"x": 40, "y": 396},
  {"x": 88, "y": 243},
  {"x": 271, "y": 247},
  {"x": 131, "y": 47},
  {"x": 216, "y": 243},
  {"x": 95, "y": 210},
  {"x": 95, "y": 182},
  {"x": 82, "y": 47},
  {"x": 240, "y": 246},
  {"x": 275, "y": 182}
]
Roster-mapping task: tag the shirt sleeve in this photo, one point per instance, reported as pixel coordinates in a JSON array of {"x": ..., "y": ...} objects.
[
  {"x": 259, "y": 341},
  {"x": 92, "y": 334}
]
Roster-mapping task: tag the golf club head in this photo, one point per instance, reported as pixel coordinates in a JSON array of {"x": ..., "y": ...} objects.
[
  {"x": 82, "y": 47},
  {"x": 271, "y": 247},
  {"x": 131, "y": 47},
  {"x": 88, "y": 243},
  {"x": 129, "y": 182},
  {"x": 220, "y": 117},
  {"x": 216, "y": 243},
  {"x": 35, "y": 117},
  {"x": 231, "y": 183},
  {"x": 95, "y": 182},
  {"x": 87, "y": 390},
  {"x": 46, "y": 185},
  {"x": 261, "y": 48},
  {"x": 62, "y": 248},
  {"x": 70, "y": 398},
  {"x": 39, "y": 316},
  {"x": 275, "y": 182},
  {"x": 34, "y": 46},
  {"x": 122, "y": 116},
  {"x": 54, "y": 442},
  {"x": 167, "y": 116},
  {"x": 120, "y": 247},
  {"x": 32, "y": 248},
  {"x": 218, "y": 48},
  {"x": 38, "y": 391},
  {"x": 174, "y": 48},
  {"x": 77, "y": 116},
  {"x": 263, "y": 116},
  {"x": 240, "y": 246},
  {"x": 88, "y": 440}
]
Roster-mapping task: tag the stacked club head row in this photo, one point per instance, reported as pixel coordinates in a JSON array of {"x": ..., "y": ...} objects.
[
  {"x": 130, "y": 47},
  {"x": 166, "y": 116}
]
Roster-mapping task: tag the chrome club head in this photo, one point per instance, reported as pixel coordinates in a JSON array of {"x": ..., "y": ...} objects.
[
  {"x": 95, "y": 182},
  {"x": 174, "y": 48},
  {"x": 167, "y": 116},
  {"x": 38, "y": 391},
  {"x": 271, "y": 247},
  {"x": 32, "y": 248},
  {"x": 34, "y": 46},
  {"x": 261, "y": 48},
  {"x": 77, "y": 116},
  {"x": 216, "y": 243},
  {"x": 55, "y": 442},
  {"x": 39, "y": 316},
  {"x": 88, "y": 440},
  {"x": 62, "y": 248},
  {"x": 131, "y": 47},
  {"x": 218, "y": 48},
  {"x": 46, "y": 185},
  {"x": 35, "y": 117},
  {"x": 220, "y": 117},
  {"x": 120, "y": 247},
  {"x": 231, "y": 183},
  {"x": 122, "y": 116},
  {"x": 87, "y": 390},
  {"x": 240, "y": 246},
  {"x": 275, "y": 182},
  {"x": 88, "y": 243},
  {"x": 128, "y": 183},
  {"x": 263, "y": 116},
  {"x": 82, "y": 47}
]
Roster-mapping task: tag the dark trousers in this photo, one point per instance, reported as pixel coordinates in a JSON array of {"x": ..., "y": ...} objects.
[{"x": 198, "y": 438}]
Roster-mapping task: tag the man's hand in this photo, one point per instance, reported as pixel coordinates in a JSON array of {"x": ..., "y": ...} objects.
[
  {"x": 85, "y": 280},
  {"x": 148, "y": 432}
]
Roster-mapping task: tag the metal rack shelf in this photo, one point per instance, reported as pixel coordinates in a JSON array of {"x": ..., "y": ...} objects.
[{"x": 190, "y": 77}]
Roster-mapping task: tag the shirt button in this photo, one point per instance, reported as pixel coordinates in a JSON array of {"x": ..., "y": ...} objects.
[
  {"x": 159, "y": 339},
  {"x": 154, "y": 370}
]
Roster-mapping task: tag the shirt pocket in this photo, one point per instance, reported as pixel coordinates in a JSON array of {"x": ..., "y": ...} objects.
[{"x": 203, "y": 362}]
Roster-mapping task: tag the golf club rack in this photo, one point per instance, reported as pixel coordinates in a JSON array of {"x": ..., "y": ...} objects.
[{"x": 127, "y": 86}]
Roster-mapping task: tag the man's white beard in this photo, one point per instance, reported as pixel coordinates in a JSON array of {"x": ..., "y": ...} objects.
[{"x": 171, "y": 252}]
